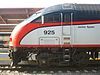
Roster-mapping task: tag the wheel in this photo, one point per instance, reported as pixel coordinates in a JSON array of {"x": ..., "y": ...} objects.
[
  {"x": 81, "y": 59},
  {"x": 42, "y": 59}
]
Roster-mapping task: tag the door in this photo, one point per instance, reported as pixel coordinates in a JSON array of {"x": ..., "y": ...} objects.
[{"x": 66, "y": 27}]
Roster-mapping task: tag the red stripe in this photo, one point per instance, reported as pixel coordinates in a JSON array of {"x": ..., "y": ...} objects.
[
  {"x": 86, "y": 22},
  {"x": 31, "y": 26},
  {"x": 65, "y": 46},
  {"x": 22, "y": 32}
]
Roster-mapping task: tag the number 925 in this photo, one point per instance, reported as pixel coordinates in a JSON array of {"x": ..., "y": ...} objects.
[{"x": 49, "y": 32}]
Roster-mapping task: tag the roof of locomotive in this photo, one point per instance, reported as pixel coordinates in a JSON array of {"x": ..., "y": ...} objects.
[{"x": 72, "y": 7}]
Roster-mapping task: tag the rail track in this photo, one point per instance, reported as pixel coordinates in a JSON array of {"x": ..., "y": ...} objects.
[
  {"x": 36, "y": 70},
  {"x": 29, "y": 69}
]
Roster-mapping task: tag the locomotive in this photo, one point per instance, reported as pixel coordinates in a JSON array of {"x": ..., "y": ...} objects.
[{"x": 64, "y": 34}]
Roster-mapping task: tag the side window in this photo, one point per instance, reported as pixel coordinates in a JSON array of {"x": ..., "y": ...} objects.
[
  {"x": 86, "y": 15},
  {"x": 82, "y": 16},
  {"x": 37, "y": 20},
  {"x": 66, "y": 17},
  {"x": 53, "y": 17}
]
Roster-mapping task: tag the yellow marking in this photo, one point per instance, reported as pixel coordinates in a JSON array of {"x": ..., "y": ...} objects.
[
  {"x": 5, "y": 59},
  {"x": 97, "y": 58},
  {"x": 94, "y": 59},
  {"x": 4, "y": 53},
  {"x": 91, "y": 59}
]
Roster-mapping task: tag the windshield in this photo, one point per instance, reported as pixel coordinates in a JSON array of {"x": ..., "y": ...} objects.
[
  {"x": 26, "y": 21},
  {"x": 33, "y": 17}
]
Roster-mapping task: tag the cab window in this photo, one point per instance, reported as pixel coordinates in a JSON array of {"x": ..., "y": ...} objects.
[
  {"x": 66, "y": 17},
  {"x": 53, "y": 17},
  {"x": 37, "y": 20}
]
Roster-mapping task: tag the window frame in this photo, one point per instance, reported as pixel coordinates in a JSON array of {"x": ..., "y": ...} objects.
[
  {"x": 34, "y": 21},
  {"x": 53, "y": 18}
]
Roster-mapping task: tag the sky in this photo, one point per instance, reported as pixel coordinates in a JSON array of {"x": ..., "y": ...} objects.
[{"x": 40, "y": 3}]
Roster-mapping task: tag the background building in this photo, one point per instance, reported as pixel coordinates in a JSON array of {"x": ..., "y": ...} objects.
[{"x": 9, "y": 18}]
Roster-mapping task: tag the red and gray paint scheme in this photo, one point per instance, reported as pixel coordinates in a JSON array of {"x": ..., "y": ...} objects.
[
  {"x": 61, "y": 26},
  {"x": 77, "y": 26}
]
